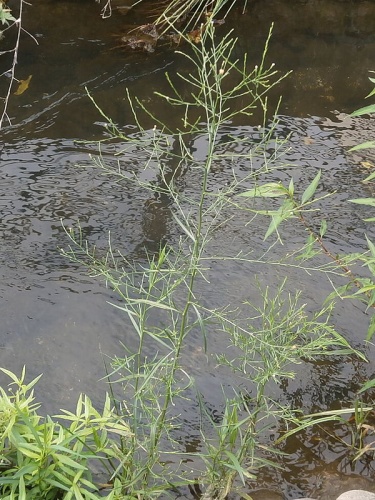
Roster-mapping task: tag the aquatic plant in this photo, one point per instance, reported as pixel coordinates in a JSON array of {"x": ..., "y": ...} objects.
[
  {"x": 163, "y": 296},
  {"x": 353, "y": 426}
]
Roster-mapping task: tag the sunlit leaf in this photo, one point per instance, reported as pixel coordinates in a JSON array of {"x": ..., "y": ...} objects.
[
  {"x": 30, "y": 450},
  {"x": 363, "y": 145},
  {"x": 371, "y": 301},
  {"x": 367, "y": 385},
  {"x": 364, "y": 289},
  {"x": 11, "y": 375},
  {"x": 291, "y": 187},
  {"x": 69, "y": 462},
  {"x": 369, "y": 178},
  {"x": 364, "y": 111},
  {"x": 270, "y": 190},
  {"x": 371, "y": 246},
  {"x": 364, "y": 201},
  {"x": 310, "y": 190},
  {"x": 6, "y": 16},
  {"x": 285, "y": 212},
  {"x": 235, "y": 465},
  {"x": 323, "y": 228},
  {"x": 371, "y": 328},
  {"x": 307, "y": 423},
  {"x": 23, "y": 85}
]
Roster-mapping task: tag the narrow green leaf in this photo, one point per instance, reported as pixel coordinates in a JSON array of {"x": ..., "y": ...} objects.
[
  {"x": 92, "y": 496},
  {"x": 11, "y": 375},
  {"x": 308, "y": 423},
  {"x": 57, "y": 484},
  {"x": 323, "y": 228},
  {"x": 364, "y": 201},
  {"x": 77, "y": 492},
  {"x": 363, "y": 145},
  {"x": 291, "y": 188},
  {"x": 31, "y": 468},
  {"x": 371, "y": 328},
  {"x": 283, "y": 213},
  {"x": 202, "y": 326},
  {"x": 270, "y": 190},
  {"x": 184, "y": 227},
  {"x": 371, "y": 246},
  {"x": 364, "y": 111},
  {"x": 33, "y": 382},
  {"x": 367, "y": 385},
  {"x": 310, "y": 190},
  {"x": 29, "y": 450},
  {"x": 370, "y": 177},
  {"x": 69, "y": 461},
  {"x": 61, "y": 478},
  {"x": 235, "y": 465},
  {"x": 364, "y": 289},
  {"x": 275, "y": 222},
  {"x": 152, "y": 303}
]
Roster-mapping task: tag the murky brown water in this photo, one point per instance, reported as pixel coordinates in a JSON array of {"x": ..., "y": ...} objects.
[{"x": 55, "y": 319}]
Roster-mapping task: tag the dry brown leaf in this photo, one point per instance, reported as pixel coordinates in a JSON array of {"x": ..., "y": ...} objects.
[
  {"x": 195, "y": 35},
  {"x": 308, "y": 140},
  {"x": 23, "y": 85},
  {"x": 367, "y": 164}
]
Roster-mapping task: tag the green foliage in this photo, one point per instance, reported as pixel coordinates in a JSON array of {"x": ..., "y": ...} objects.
[
  {"x": 365, "y": 111},
  {"x": 289, "y": 208},
  {"x": 161, "y": 296},
  {"x": 352, "y": 427},
  {"x": 5, "y": 15},
  {"x": 366, "y": 145},
  {"x": 42, "y": 458}
]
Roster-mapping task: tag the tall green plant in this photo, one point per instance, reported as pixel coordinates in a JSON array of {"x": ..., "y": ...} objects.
[{"x": 161, "y": 296}]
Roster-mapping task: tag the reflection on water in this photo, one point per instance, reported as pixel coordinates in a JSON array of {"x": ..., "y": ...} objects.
[{"x": 55, "y": 319}]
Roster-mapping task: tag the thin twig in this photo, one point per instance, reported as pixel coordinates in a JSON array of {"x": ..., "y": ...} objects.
[{"x": 12, "y": 70}]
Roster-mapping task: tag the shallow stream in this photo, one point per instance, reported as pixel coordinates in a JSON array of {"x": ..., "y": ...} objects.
[{"x": 54, "y": 318}]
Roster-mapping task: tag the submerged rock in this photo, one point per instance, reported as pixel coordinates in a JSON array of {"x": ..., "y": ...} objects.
[
  {"x": 357, "y": 495},
  {"x": 349, "y": 495}
]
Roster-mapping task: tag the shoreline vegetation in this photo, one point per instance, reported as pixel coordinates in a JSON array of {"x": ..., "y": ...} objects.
[{"x": 131, "y": 449}]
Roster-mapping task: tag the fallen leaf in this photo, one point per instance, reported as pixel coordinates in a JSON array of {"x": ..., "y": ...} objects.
[
  {"x": 308, "y": 140},
  {"x": 195, "y": 35},
  {"x": 23, "y": 85},
  {"x": 367, "y": 164}
]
